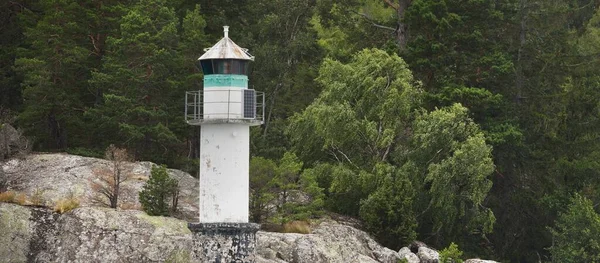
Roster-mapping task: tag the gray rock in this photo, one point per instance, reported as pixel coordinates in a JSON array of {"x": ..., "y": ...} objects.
[
  {"x": 107, "y": 235},
  {"x": 476, "y": 260},
  {"x": 415, "y": 245},
  {"x": 410, "y": 257},
  {"x": 57, "y": 176},
  {"x": 11, "y": 142},
  {"x": 328, "y": 242},
  {"x": 428, "y": 255},
  {"x": 16, "y": 233}
]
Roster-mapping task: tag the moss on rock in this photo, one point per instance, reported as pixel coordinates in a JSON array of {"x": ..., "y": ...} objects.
[{"x": 16, "y": 234}]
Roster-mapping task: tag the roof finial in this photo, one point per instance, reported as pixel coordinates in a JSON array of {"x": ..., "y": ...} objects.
[{"x": 226, "y": 31}]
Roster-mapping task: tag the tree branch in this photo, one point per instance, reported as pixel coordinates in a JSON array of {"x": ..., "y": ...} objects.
[
  {"x": 366, "y": 17},
  {"x": 389, "y": 3}
]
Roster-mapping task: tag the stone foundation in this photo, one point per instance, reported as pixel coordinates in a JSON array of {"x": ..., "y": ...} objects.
[{"x": 224, "y": 242}]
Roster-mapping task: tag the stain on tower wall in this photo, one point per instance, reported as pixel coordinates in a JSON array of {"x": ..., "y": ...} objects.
[{"x": 224, "y": 242}]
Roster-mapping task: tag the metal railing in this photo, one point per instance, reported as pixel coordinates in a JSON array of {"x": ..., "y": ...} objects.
[{"x": 224, "y": 106}]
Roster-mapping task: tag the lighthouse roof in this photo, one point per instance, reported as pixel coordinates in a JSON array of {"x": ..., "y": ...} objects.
[{"x": 226, "y": 49}]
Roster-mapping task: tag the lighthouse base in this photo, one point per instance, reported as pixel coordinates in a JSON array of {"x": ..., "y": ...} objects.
[{"x": 224, "y": 242}]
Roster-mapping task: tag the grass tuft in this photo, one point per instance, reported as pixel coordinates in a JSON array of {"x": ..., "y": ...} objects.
[
  {"x": 302, "y": 227},
  {"x": 8, "y": 197},
  {"x": 66, "y": 205}
]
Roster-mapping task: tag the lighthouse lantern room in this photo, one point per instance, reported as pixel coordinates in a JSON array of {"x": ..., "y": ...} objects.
[{"x": 224, "y": 109}]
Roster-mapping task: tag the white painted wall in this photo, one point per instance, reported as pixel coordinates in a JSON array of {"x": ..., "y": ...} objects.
[
  {"x": 223, "y": 103},
  {"x": 224, "y": 167}
]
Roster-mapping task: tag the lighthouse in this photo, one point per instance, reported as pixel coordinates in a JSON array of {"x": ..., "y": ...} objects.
[{"x": 225, "y": 109}]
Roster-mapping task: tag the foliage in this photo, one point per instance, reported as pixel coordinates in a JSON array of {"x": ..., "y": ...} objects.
[
  {"x": 525, "y": 70},
  {"x": 454, "y": 162},
  {"x": 362, "y": 111},
  {"x": 301, "y": 227},
  {"x": 392, "y": 169},
  {"x": 278, "y": 191},
  {"x": 451, "y": 254},
  {"x": 388, "y": 211},
  {"x": 66, "y": 204},
  {"x": 262, "y": 172},
  {"x": 8, "y": 196},
  {"x": 157, "y": 191},
  {"x": 576, "y": 234}
]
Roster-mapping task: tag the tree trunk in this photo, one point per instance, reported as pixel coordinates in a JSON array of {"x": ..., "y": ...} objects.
[{"x": 402, "y": 30}]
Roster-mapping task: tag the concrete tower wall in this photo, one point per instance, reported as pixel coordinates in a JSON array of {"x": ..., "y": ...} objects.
[
  {"x": 223, "y": 103},
  {"x": 224, "y": 167}
]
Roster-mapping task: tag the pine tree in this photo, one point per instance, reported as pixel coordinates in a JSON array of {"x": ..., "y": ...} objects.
[{"x": 156, "y": 192}]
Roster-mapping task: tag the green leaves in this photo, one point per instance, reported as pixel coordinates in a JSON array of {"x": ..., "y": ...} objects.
[
  {"x": 281, "y": 192},
  {"x": 456, "y": 163},
  {"x": 393, "y": 170},
  {"x": 577, "y": 232},
  {"x": 157, "y": 191},
  {"x": 362, "y": 109}
]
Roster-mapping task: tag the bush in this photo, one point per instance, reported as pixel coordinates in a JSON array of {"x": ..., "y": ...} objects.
[
  {"x": 37, "y": 198},
  {"x": 66, "y": 204},
  {"x": 576, "y": 236},
  {"x": 157, "y": 191},
  {"x": 302, "y": 227},
  {"x": 20, "y": 199},
  {"x": 7, "y": 197},
  {"x": 451, "y": 254}
]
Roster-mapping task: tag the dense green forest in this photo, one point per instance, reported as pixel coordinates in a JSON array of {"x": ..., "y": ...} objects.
[{"x": 468, "y": 121}]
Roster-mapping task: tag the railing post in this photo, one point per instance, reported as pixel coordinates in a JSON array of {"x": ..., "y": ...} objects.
[{"x": 186, "y": 107}]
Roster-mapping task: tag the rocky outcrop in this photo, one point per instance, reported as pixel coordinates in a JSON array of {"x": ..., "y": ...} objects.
[
  {"x": 428, "y": 255},
  {"x": 328, "y": 242},
  {"x": 57, "y": 176},
  {"x": 106, "y": 235},
  {"x": 92, "y": 234},
  {"x": 16, "y": 232},
  {"x": 11, "y": 142},
  {"x": 410, "y": 257}
]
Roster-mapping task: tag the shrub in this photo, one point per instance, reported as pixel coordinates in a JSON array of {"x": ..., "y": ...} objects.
[
  {"x": 66, "y": 204},
  {"x": 451, "y": 254},
  {"x": 37, "y": 198},
  {"x": 302, "y": 227},
  {"x": 107, "y": 182},
  {"x": 20, "y": 199},
  {"x": 157, "y": 191},
  {"x": 576, "y": 235},
  {"x": 7, "y": 197}
]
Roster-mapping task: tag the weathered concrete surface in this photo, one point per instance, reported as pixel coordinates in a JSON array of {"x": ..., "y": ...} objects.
[
  {"x": 56, "y": 176},
  {"x": 224, "y": 242}
]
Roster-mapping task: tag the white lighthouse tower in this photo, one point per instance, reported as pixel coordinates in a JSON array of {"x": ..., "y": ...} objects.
[{"x": 224, "y": 109}]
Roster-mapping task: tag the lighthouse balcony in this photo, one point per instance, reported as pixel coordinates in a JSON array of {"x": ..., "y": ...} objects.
[{"x": 217, "y": 106}]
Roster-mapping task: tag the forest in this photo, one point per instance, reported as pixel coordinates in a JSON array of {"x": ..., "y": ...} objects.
[{"x": 474, "y": 122}]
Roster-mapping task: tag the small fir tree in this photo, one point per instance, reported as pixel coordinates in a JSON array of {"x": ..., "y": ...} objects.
[{"x": 157, "y": 191}]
